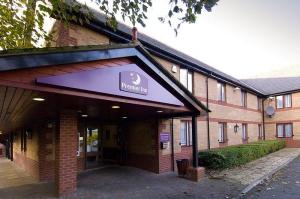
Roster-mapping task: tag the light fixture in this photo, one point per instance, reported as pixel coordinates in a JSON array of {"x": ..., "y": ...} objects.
[
  {"x": 159, "y": 111},
  {"x": 84, "y": 115},
  {"x": 0, "y": 132},
  {"x": 124, "y": 117},
  {"x": 115, "y": 107},
  {"x": 236, "y": 89},
  {"x": 236, "y": 128},
  {"x": 39, "y": 99}
]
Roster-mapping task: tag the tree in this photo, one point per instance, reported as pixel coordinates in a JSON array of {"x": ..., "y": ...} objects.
[{"x": 22, "y": 21}]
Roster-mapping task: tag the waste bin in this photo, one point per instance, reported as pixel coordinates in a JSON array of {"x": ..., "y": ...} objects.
[{"x": 182, "y": 166}]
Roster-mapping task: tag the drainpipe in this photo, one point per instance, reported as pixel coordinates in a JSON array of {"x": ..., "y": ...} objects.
[
  {"x": 263, "y": 118},
  {"x": 207, "y": 117},
  {"x": 172, "y": 144}
]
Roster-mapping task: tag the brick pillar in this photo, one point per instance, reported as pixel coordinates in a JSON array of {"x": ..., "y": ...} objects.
[{"x": 65, "y": 153}]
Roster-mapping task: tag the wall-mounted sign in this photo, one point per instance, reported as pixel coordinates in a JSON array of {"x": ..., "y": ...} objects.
[
  {"x": 164, "y": 137},
  {"x": 133, "y": 82},
  {"x": 125, "y": 81}
]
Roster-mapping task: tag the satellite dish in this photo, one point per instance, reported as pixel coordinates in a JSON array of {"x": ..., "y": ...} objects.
[{"x": 270, "y": 111}]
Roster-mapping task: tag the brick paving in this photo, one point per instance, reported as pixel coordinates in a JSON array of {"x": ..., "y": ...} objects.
[
  {"x": 130, "y": 183},
  {"x": 13, "y": 176}
]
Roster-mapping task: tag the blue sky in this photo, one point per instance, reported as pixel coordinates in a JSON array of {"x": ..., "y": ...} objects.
[{"x": 243, "y": 38}]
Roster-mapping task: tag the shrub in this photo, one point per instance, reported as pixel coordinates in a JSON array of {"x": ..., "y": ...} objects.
[{"x": 237, "y": 155}]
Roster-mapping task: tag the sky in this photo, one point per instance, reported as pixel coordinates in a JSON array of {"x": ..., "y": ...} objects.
[{"x": 243, "y": 38}]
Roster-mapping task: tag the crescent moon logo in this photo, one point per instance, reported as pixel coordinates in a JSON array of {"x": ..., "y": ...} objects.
[{"x": 136, "y": 81}]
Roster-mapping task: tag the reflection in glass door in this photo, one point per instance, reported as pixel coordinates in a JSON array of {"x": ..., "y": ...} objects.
[{"x": 93, "y": 148}]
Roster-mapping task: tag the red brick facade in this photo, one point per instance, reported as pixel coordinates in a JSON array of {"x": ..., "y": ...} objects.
[{"x": 65, "y": 153}]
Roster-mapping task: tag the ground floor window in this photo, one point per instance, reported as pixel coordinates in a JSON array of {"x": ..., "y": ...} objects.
[
  {"x": 284, "y": 130},
  {"x": 260, "y": 132},
  {"x": 186, "y": 133},
  {"x": 244, "y": 132},
  {"x": 222, "y": 132}
]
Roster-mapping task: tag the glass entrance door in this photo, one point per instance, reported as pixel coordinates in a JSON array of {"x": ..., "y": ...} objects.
[{"x": 93, "y": 148}]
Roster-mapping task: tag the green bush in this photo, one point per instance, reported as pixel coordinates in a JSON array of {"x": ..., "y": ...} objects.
[{"x": 237, "y": 155}]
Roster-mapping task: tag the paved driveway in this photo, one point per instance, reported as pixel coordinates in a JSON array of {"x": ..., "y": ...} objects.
[
  {"x": 284, "y": 184},
  {"x": 131, "y": 183}
]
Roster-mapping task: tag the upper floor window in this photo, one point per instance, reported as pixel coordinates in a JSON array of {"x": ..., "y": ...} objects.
[
  {"x": 221, "y": 92},
  {"x": 222, "y": 132},
  {"x": 284, "y": 130},
  {"x": 243, "y": 98},
  {"x": 186, "y": 78},
  {"x": 259, "y": 104},
  {"x": 260, "y": 132},
  {"x": 284, "y": 101},
  {"x": 186, "y": 133},
  {"x": 244, "y": 132}
]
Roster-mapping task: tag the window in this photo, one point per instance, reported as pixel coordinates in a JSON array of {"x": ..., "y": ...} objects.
[
  {"x": 186, "y": 133},
  {"x": 287, "y": 101},
  {"x": 284, "y": 101},
  {"x": 259, "y": 104},
  {"x": 243, "y": 98},
  {"x": 221, "y": 92},
  {"x": 186, "y": 78},
  {"x": 260, "y": 132},
  {"x": 222, "y": 132},
  {"x": 284, "y": 130},
  {"x": 244, "y": 132}
]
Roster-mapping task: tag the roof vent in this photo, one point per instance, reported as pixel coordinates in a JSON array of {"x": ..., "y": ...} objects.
[{"x": 270, "y": 111}]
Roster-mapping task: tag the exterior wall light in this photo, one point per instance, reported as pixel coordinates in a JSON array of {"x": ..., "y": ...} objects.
[
  {"x": 115, "y": 107},
  {"x": 236, "y": 128},
  {"x": 84, "y": 115},
  {"x": 124, "y": 117},
  {"x": 38, "y": 99},
  {"x": 159, "y": 111}
]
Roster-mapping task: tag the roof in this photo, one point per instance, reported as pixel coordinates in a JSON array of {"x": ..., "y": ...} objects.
[
  {"x": 39, "y": 57},
  {"x": 271, "y": 86},
  {"x": 123, "y": 32}
]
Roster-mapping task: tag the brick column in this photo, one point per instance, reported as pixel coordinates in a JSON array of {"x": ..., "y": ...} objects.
[{"x": 65, "y": 153}]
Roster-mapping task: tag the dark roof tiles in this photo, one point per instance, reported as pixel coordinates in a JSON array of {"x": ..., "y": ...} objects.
[{"x": 269, "y": 86}]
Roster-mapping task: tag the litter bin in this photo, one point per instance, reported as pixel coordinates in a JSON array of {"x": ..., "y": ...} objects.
[{"x": 182, "y": 166}]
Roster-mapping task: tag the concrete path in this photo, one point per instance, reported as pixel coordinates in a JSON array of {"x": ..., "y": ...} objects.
[
  {"x": 256, "y": 171},
  {"x": 13, "y": 176}
]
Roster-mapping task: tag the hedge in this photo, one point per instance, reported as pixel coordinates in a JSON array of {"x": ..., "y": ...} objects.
[{"x": 237, "y": 155}]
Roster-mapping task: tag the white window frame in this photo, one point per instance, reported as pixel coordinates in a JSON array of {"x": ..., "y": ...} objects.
[
  {"x": 243, "y": 98},
  {"x": 221, "y": 87},
  {"x": 222, "y": 132},
  {"x": 260, "y": 131},
  {"x": 244, "y": 132},
  {"x": 283, "y": 127},
  {"x": 186, "y": 78},
  {"x": 186, "y": 137}
]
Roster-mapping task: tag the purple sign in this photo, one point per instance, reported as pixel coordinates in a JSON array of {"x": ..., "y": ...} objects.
[
  {"x": 133, "y": 82},
  {"x": 164, "y": 137},
  {"x": 107, "y": 81}
]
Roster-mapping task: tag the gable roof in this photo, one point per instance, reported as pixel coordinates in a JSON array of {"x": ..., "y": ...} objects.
[
  {"x": 271, "y": 86},
  {"x": 32, "y": 58},
  {"x": 123, "y": 34}
]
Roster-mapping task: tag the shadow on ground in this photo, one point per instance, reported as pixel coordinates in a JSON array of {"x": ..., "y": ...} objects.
[{"x": 126, "y": 182}]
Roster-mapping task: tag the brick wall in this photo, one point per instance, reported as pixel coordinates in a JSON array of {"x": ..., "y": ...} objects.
[
  {"x": 46, "y": 152},
  {"x": 285, "y": 115},
  {"x": 141, "y": 144},
  {"x": 27, "y": 160},
  {"x": 65, "y": 153},
  {"x": 74, "y": 35}
]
